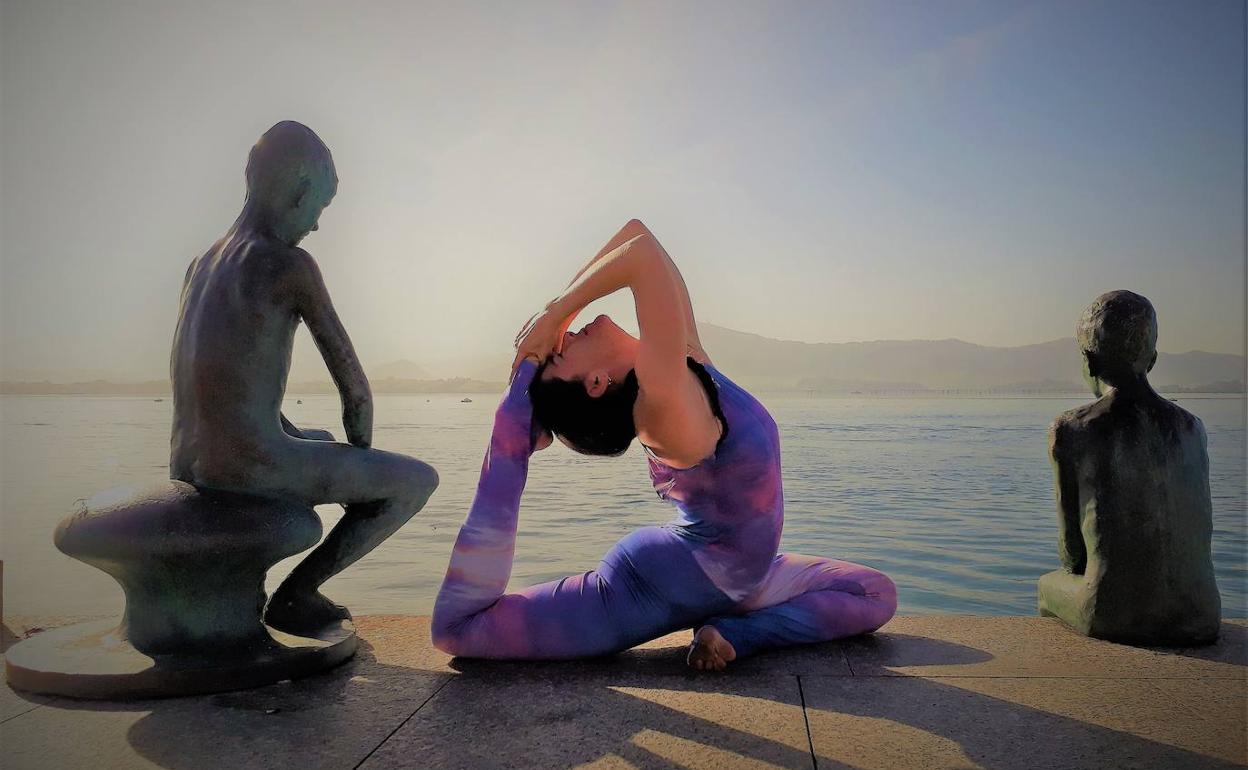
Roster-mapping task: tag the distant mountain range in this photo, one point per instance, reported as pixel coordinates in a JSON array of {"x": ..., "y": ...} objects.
[
  {"x": 886, "y": 366},
  {"x": 905, "y": 365}
]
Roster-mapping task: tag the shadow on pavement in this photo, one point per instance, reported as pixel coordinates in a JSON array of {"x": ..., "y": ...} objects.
[{"x": 641, "y": 708}]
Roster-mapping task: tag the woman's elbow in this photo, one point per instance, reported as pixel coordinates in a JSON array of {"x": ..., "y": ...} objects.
[
  {"x": 444, "y": 636},
  {"x": 635, "y": 227}
]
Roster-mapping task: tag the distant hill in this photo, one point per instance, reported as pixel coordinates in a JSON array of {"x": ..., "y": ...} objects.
[
  {"x": 161, "y": 389},
  {"x": 89, "y": 388},
  {"x": 404, "y": 385},
  {"x": 399, "y": 370},
  {"x": 906, "y": 365},
  {"x": 885, "y": 366}
]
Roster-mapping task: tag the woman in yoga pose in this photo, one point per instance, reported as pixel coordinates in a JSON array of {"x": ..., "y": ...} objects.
[{"x": 713, "y": 451}]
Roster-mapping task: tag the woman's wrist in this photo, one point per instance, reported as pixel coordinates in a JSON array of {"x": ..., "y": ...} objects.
[{"x": 559, "y": 308}]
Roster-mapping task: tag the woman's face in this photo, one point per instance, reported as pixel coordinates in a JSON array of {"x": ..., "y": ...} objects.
[{"x": 600, "y": 346}]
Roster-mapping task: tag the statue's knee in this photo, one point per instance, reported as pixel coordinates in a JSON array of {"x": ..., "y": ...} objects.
[{"x": 422, "y": 480}]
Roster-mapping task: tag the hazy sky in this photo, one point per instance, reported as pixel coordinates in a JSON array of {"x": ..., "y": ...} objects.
[{"x": 820, "y": 171}]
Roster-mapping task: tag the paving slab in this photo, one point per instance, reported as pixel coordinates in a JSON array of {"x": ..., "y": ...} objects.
[
  {"x": 972, "y": 645},
  {"x": 14, "y": 704},
  {"x": 550, "y": 721},
  {"x": 328, "y": 721},
  {"x": 1025, "y": 722},
  {"x": 927, "y": 691}
]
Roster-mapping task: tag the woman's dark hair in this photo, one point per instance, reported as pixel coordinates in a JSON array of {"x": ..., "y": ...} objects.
[
  {"x": 592, "y": 426},
  {"x": 603, "y": 425}
]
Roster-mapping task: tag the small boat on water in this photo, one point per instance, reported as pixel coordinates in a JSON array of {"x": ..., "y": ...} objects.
[
  {"x": 158, "y": 400},
  {"x": 299, "y": 401},
  {"x": 465, "y": 400}
]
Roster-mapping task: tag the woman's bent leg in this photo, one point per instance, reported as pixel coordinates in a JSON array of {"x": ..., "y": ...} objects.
[
  {"x": 806, "y": 599},
  {"x": 647, "y": 585}
]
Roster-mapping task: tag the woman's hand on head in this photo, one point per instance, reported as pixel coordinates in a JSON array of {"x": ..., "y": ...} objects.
[{"x": 541, "y": 336}]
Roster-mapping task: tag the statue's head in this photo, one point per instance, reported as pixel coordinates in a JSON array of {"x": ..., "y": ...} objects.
[
  {"x": 291, "y": 177},
  {"x": 1118, "y": 336}
]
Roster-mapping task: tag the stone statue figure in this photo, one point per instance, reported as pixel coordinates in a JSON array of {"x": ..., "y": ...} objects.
[
  {"x": 1132, "y": 483},
  {"x": 191, "y": 553},
  {"x": 241, "y": 303}
]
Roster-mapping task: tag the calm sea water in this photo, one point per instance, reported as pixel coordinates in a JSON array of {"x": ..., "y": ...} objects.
[{"x": 951, "y": 497}]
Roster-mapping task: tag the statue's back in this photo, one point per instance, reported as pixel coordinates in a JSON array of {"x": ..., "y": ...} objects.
[
  {"x": 230, "y": 358},
  {"x": 1144, "y": 487}
]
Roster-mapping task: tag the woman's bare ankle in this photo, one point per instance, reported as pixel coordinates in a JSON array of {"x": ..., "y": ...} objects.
[{"x": 710, "y": 651}]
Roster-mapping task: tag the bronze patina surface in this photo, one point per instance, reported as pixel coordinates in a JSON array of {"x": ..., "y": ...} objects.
[{"x": 1135, "y": 518}]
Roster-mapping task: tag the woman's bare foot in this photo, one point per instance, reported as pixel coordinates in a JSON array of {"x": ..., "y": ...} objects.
[{"x": 710, "y": 651}]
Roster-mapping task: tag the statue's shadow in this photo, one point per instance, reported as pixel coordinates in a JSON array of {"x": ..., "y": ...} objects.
[
  {"x": 1231, "y": 647},
  {"x": 643, "y": 708}
]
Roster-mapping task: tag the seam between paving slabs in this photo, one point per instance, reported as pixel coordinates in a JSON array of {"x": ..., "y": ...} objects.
[
  {"x": 810, "y": 739},
  {"x": 390, "y": 734},
  {"x": 23, "y": 713}
]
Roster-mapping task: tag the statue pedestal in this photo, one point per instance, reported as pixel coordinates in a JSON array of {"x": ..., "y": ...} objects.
[
  {"x": 91, "y": 660},
  {"x": 192, "y": 564},
  {"x": 1155, "y": 618}
]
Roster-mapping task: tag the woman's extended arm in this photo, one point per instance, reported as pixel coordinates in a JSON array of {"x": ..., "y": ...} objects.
[
  {"x": 481, "y": 561},
  {"x": 629, "y": 231}
]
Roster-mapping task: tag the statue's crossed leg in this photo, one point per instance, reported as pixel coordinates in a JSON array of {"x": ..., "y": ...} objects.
[{"x": 380, "y": 491}]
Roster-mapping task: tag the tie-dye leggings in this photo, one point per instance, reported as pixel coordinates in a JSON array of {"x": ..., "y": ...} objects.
[{"x": 647, "y": 585}]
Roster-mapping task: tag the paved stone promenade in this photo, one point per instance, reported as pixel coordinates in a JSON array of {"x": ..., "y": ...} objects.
[{"x": 924, "y": 692}]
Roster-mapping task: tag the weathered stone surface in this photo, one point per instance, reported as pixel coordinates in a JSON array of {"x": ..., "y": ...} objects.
[
  {"x": 553, "y": 721},
  {"x": 191, "y": 562},
  {"x": 93, "y": 660},
  {"x": 332, "y": 720},
  {"x": 928, "y": 692},
  {"x": 895, "y": 723},
  {"x": 14, "y": 703},
  {"x": 968, "y": 645}
]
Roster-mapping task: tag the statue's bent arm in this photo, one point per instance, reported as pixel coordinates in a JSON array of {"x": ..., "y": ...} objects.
[
  {"x": 1071, "y": 548},
  {"x": 314, "y": 306}
]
